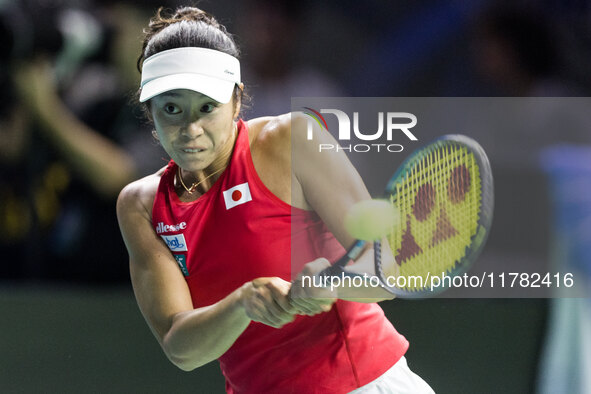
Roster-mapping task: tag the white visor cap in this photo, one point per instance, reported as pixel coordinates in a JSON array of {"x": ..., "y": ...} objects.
[{"x": 207, "y": 71}]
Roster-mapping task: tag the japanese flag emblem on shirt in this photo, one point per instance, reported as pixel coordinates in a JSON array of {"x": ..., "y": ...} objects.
[{"x": 237, "y": 195}]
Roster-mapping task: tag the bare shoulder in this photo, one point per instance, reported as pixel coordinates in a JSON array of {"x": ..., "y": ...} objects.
[
  {"x": 270, "y": 132},
  {"x": 270, "y": 147},
  {"x": 277, "y": 135},
  {"x": 138, "y": 196}
]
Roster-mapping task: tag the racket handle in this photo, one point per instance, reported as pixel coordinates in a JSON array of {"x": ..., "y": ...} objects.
[{"x": 353, "y": 252}]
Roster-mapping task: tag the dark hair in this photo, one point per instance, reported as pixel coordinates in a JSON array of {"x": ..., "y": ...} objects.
[{"x": 187, "y": 27}]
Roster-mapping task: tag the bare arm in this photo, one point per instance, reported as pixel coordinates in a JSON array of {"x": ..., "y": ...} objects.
[
  {"x": 330, "y": 186},
  {"x": 103, "y": 165},
  {"x": 189, "y": 337}
]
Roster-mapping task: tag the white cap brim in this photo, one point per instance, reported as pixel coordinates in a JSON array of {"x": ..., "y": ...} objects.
[
  {"x": 219, "y": 90},
  {"x": 207, "y": 71}
]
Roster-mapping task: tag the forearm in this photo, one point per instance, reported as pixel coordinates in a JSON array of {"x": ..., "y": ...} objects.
[
  {"x": 104, "y": 165},
  {"x": 364, "y": 294},
  {"x": 202, "y": 335}
]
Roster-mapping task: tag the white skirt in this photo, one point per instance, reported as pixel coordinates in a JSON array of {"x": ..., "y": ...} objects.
[{"x": 397, "y": 380}]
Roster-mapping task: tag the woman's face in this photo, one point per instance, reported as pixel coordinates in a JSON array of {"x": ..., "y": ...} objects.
[{"x": 193, "y": 129}]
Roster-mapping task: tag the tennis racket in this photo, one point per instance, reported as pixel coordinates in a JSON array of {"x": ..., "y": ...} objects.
[{"x": 444, "y": 195}]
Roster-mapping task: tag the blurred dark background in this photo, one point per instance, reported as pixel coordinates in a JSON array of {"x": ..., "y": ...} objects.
[{"x": 71, "y": 136}]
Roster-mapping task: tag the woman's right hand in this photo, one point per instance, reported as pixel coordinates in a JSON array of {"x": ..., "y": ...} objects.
[
  {"x": 312, "y": 300},
  {"x": 265, "y": 300}
]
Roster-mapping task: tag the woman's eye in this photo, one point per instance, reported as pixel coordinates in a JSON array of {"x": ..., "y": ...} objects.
[
  {"x": 171, "y": 109},
  {"x": 207, "y": 108}
]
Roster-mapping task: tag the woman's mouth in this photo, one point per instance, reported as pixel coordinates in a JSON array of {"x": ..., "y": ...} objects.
[{"x": 192, "y": 150}]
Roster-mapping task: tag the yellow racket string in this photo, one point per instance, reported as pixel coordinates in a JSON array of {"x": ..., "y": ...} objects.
[{"x": 439, "y": 202}]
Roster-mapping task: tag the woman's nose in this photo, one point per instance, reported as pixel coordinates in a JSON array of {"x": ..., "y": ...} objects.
[{"x": 193, "y": 129}]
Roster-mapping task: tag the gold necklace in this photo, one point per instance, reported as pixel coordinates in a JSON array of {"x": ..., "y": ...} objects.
[{"x": 191, "y": 189}]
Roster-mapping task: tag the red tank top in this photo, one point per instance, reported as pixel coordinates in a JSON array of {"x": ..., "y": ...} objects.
[{"x": 238, "y": 231}]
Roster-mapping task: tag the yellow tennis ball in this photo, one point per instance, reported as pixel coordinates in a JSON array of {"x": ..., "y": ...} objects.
[{"x": 369, "y": 220}]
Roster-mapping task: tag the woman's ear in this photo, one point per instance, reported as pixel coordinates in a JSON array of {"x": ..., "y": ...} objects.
[
  {"x": 238, "y": 100},
  {"x": 155, "y": 135}
]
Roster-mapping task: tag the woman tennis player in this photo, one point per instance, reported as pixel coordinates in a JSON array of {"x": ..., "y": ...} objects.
[{"x": 210, "y": 235}]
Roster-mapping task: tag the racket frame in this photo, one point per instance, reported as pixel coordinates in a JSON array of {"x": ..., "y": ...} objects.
[{"x": 478, "y": 240}]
